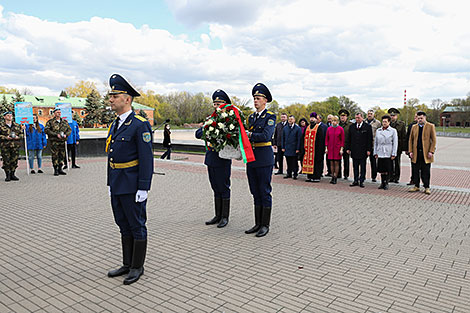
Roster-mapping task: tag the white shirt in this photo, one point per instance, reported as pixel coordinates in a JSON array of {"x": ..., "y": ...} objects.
[{"x": 123, "y": 117}]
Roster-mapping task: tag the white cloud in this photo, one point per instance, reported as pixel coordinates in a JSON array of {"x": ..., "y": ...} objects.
[{"x": 303, "y": 50}]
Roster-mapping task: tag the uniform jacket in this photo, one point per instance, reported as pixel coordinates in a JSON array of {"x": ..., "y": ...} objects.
[
  {"x": 386, "y": 142},
  {"x": 75, "y": 134},
  {"x": 278, "y": 134},
  {"x": 429, "y": 142},
  {"x": 291, "y": 137},
  {"x": 360, "y": 140},
  {"x": 212, "y": 158},
  {"x": 401, "y": 131},
  {"x": 53, "y": 128},
  {"x": 132, "y": 141},
  {"x": 408, "y": 132},
  {"x": 375, "y": 124},
  {"x": 334, "y": 142},
  {"x": 262, "y": 131},
  {"x": 6, "y": 130},
  {"x": 345, "y": 127},
  {"x": 35, "y": 140}
]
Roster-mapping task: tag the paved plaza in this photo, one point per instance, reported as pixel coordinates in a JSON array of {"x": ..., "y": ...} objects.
[{"x": 331, "y": 248}]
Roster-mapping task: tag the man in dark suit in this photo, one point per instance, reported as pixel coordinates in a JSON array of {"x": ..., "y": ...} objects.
[
  {"x": 278, "y": 143},
  {"x": 359, "y": 145},
  {"x": 291, "y": 136}
]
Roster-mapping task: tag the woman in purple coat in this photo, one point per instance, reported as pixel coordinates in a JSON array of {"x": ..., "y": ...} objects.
[{"x": 334, "y": 142}]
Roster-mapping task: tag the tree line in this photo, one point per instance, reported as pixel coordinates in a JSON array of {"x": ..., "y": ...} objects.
[{"x": 190, "y": 108}]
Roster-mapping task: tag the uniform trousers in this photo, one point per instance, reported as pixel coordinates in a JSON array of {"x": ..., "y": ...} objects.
[
  {"x": 219, "y": 177},
  {"x": 346, "y": 165},
  {"x": 10, "y": 158},
  {"x": 359, "y": 165},
  {"x": 259, "y": 180},
  {"x": 396, "y": 166},
  {"x": 422, "y": 170},
  {"x": 130, "y": 216},
  {"x": 57, "y": 153}
]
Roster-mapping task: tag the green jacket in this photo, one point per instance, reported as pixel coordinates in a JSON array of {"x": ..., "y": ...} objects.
[
  {"x": 401, "y": 131},
  {"x": 346, "y": 130},
  {"x": 6, "y": 131},
  {"x": 53, "y": 128}
]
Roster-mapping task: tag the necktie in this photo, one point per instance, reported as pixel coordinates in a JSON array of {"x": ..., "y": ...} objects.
[
  {"x": 116, "y": 124},
  {"x": 358, "y": 126}
]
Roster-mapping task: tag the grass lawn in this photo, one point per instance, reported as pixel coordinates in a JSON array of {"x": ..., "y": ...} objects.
[{"x": 453, "y": 129}]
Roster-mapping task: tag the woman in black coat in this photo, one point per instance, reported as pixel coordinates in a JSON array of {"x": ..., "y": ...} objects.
[{"x": 166, "y": 142}]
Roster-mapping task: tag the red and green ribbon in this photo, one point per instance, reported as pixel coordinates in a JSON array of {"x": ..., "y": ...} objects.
[{"x": 245, "y": 145}]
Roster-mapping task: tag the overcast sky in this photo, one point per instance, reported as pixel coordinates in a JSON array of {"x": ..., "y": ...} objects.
[{"x": 303, "y": 50}]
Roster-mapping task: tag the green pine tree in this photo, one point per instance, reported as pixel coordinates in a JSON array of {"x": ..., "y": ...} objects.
[
  {"x": 92, "y": 109},
  {"x": 4, "y": 105}
]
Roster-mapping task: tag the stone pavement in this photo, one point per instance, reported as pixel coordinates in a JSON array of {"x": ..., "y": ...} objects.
[{"x": 330, "y": 248}]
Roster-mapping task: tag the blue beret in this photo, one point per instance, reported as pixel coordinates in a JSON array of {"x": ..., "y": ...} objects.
[
  {"x": 7, "y": 112},
  {"x": 261, "y": 90},
  {"x": 220, "y": 95},
  {"x": 120, "y": 85},
  {"x": 313, "y": 114}
]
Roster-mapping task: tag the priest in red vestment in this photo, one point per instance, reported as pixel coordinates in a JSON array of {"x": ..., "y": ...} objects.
[{"x": 313, "y": 148}]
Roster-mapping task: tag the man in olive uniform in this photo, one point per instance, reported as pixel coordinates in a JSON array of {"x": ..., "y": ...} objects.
[
  {"x": 130, "y": 171},
  {"x": 344, "y": 123},
  {"x": 402, "y": 143},
  {"x": 57, "y": 130},
  {"x": 10, "y": 139},
  {"x": 259, "y": 172}
]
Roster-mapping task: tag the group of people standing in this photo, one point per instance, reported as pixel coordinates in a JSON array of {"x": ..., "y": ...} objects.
[
  {"x": 381, "y": 142},
  {"x": 57, "y": 132}
]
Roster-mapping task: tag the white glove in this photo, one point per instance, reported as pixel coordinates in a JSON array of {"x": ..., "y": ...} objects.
[
  {"x": 141, "y": 195},
  {"x": 109, "y": 190}
]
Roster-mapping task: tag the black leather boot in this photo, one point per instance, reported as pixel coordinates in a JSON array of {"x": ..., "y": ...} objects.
[
  {"x": 60, "y": 171},
  {"x": 7, "y": 175},
  {"x": 225, "y": 212},
  {"x": 56, "y": 171},
  {"x": 263, "y": 231},
  {"x": 138, "y": 258},
  {"x": 12, "y": 176},
  {"x": 218, "y": 212},
  {"x": 386, "y": 181},
  {"x": 258, "y": 217},
  {"x": 127, "y": 250},
  {"x": 382, "y": 181}
]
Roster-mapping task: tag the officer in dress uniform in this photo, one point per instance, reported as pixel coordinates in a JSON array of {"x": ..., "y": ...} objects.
[
  {"x": 261, "y": 126},
  {"x": 219, "y": 171},
  {"x": 402, "y": 144},
  {"x": 130, "y": 170},
  {"x": 344, "y": 123}
]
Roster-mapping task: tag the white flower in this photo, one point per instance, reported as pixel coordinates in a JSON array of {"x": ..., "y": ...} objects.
[
  {"x": 218, "y": 110},
  {"x": 221, "y": 125},
  {"x": 231, "y": 113},
  {"x": 224, "y": 115},
  {"x": 208, "y": 122},
  {"x": 216, "y": 131},
  {"x": 211, "y": 128},
  {"x": 231, "y": 127}
]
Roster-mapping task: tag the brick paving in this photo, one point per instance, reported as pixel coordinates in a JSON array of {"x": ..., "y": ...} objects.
[{"x": 330, "y": 248}]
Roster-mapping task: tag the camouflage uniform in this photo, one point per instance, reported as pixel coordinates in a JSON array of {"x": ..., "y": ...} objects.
[
  {"x": 402, "y": 146},
  {"x": 52, "y": 129},
  {"x": 10, "y": 148}
]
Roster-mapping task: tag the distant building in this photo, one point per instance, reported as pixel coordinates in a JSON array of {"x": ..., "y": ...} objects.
[
  {"x": 43, "y": 106},
  {"x": 456, "y": 116}
]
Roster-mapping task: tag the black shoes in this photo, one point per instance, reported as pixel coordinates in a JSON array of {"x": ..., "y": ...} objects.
[
  {"x": 355, "y": 183},
  {"x": 287, "y": 176},
  {"x": 258, "y": 217},
  {"x": 334, "y": 180},
  {"x": 127, "y": 243},
  {"x": 75, "y": 166},
  {"x": 218, "y": 211},
  {"x": 361, "y": 185},
  {"x": 60, "y": 171},
  {"x": 224, "y": 213},
  {"x": 40, "y": 172},
  {"x": 33, "y": 172},
  {"x": 7, "y": 176},
  {"x": 138, "y": 257},
  {"x": 278, "y": 173},
  {"x": 265, "y": 221},
  {"x": 13, "y": 177},
  {"x": 56, "y": 171}
]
